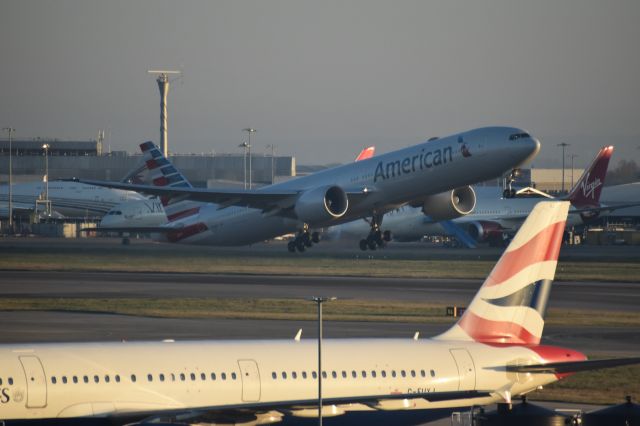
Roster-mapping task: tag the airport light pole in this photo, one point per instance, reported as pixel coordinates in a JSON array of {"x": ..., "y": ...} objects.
[
  {"x": 46, "y": 147},
  {"x": 572, "y": 157},
  {"x": 10, "y": 130},
  {"x": 244, "y": 161},
  {"x": 319, "y": 301},
  {"x": 273, "y": 153},
  {"x": 249, "y": 130},
  {"x": 563, "y": 145}
]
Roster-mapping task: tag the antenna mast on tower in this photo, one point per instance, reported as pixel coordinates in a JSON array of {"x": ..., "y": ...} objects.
[{"x": 163, "y": 85}]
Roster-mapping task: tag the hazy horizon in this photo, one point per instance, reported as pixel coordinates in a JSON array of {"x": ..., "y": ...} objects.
[{"x": 322, "y": 80}]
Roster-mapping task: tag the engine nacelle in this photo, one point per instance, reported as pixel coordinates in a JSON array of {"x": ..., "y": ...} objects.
[
  {"x": 321, "y": 204},
  {"x": 451, "y": 204},
  {"x": 483, "y": 231}
]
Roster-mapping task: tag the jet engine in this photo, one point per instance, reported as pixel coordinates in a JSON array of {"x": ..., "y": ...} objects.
[
  {"x": 321, "y": 204},
  {"x": 451, "y": 204},
  {"x": 483, "y": 231}
]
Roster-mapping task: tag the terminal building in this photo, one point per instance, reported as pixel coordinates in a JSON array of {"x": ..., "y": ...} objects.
[{"x": 86, "y": 160}]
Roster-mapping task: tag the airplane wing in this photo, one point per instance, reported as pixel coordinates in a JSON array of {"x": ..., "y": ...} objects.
[
  {"x": 574, "y": 366},
  {"x": 265, "y": 200},
  {"x": 134, "y": 229},
  {"x": 273, "y": 411}
]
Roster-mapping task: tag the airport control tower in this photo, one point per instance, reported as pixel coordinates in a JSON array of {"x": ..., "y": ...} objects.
[{"x": 163, "y": 85}]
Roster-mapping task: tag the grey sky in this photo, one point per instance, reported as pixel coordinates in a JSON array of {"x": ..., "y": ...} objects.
[{"x": 323, "y": 79}]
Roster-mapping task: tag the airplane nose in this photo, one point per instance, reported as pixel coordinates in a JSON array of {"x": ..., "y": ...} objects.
[{"x": 529, "y": 150}]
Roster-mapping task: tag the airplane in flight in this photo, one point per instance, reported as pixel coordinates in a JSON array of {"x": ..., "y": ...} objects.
[
  {"x": 434, "y": 174},
  {"x": 493, "y": 353},
  {"x": 68, "y": 199},
  {"x": 150, "y": 212},
  {"x": 494, "y": 217}
]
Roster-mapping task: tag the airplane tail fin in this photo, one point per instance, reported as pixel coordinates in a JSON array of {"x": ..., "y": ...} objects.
[
  {"x": 586, "y": 192},
  {"x": 366, "y": 153},
  {"x": 509, "y": 308}
]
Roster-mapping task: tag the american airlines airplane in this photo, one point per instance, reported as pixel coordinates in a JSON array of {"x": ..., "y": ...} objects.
[
  {"x": 494, "y": 217},
  {"x": 433, "y": 174},
  {"x": 492, "y": 354},
  {"x": 68, "y": 199}
]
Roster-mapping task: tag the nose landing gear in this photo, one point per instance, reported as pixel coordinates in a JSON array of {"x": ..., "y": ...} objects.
[{"x": 509, "y": 192}]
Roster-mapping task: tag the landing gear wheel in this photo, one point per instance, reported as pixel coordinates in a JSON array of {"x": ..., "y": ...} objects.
[
  {"x": 300, "y": 245},
  {"x": 371, "y": 243},
  {"x": 315, "y": 237},
  {"x": 306, "y": 239},
  {"x": 291, "y": 246},
  {"x": 386, "y": 236}
]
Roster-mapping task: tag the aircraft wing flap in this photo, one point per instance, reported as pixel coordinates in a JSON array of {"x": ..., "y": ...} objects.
[
  {"x": 573, "y": 366},
  {"x": 243, "y": 198}
]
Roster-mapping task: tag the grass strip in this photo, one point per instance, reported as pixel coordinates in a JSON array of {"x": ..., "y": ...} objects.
[
  {"x": 291, "y": 309},
  {"x": 361, "y": 267}
]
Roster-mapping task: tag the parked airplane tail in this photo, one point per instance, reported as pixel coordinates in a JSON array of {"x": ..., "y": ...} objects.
[
  {"x": 586, "y": 192},
  {"x": 509, "y": 308},
  {"x": 163, "y": 173}
]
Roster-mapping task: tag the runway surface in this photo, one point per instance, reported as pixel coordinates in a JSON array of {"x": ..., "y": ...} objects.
[
  {"x": 65, "y": 326},
  {"x": 575, "y": 295}
]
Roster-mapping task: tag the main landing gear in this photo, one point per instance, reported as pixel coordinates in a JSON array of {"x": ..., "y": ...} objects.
[
  {"x": 376, "y": 238},
  {"x": 509, "y": 192},
  {"x": 303, "y": 240}
]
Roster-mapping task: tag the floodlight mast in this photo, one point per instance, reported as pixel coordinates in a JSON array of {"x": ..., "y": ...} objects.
[{"x": 163, "y": 85}]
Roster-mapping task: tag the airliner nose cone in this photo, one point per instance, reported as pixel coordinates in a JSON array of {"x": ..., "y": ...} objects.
[{"x": 530, "y": 149}]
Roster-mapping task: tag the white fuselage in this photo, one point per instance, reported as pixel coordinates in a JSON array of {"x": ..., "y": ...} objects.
[
  {"x": 100, "y": 379},
  {"x": 70, "y": 199}
]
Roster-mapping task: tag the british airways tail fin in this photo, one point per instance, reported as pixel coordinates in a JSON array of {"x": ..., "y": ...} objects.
[
  {"x": 509, "y": 308},
  {"x": 586, "y": 192}
]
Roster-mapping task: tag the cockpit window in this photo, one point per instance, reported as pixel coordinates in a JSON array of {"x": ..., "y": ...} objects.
[{"x": 517, "y": 136}]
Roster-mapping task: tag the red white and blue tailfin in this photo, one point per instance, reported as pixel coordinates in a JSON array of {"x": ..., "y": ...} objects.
[
  {"x": 509, "y": 308},
  {"x": 163, "y": 173},
  {"x": 586, "y": 192},
  {"x": 366, "y": 153}
]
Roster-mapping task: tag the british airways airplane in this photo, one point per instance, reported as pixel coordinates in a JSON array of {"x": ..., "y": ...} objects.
[
  {"x": 492, "y": 354},
  {"x": 434, "y": 174}
]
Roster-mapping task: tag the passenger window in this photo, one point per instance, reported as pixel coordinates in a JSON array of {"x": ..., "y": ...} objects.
[
  {"x": 314, "y": 374},
  {"x": 403, "y": 373},
  {"x": 334, "y": 375},
  {"x": 393, "y": 373},
  {"x": 0, "y": 381},
  {"x": 54, "y": 380},
  {"x": 364, "y": 374},
  {"x": 304, "y": 374},
  {"x": 106, "y": 378},
  {"x": 413, "y": 373},
  {"x": 96, "y": 379},
  {"x": 182, "y": 377},
  {"x": 86, "y": 379},
  {"x": 324, "y": 374},
  {"x": 274, "y": 375},
  {"x": 133, "y": 378},
  {"x": 294, "y": 375},
  {"x": 203, "y": 376},
  {"x": 234, "y": 376},
  {"x": 422, "y": 373},
  {"x": 223, "y": 376},
  {"x": 433, "y": 373},
  {"x": 373, "y": 373},
  {"x": 284, "y": 374},
  {"x": 10, "y": 380},
  {"x": 213, "y": 376},
  {"x": 117, "y": 378},
  {"x": 173, "y": 377},
  {"x": 354, "y": 374},
  {"x": 193, "y": 376},
  {"x": 161, "y": 377},
  {"x": 75, "y": 379},
  {"x": 344, "y": 374},
  {"x": 383, "y": 373},
  {"x": 149, "y": 378},
  {"x": 64, "y": 379}
]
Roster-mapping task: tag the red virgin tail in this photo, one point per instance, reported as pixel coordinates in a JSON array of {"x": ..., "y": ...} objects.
[{"x": 586, "y": 192}]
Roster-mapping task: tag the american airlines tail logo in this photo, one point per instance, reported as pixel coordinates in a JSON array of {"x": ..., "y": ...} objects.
[{"x": 589, "y": 188}]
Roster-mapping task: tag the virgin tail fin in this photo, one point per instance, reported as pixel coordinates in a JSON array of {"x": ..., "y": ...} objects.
[{"x": 586, "y": 192}]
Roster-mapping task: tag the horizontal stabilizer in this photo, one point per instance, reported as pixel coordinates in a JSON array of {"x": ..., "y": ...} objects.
[{"x": 573, "y": 367}]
